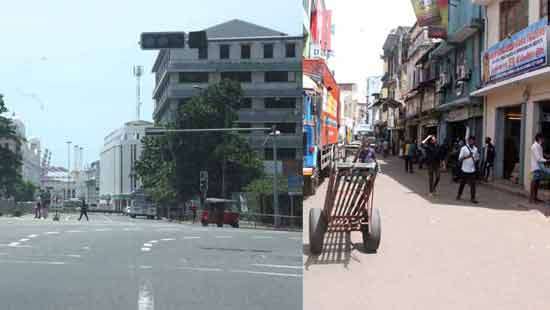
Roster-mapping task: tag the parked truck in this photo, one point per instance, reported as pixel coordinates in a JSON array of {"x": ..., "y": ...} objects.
[{"x": 320, "y": 122}]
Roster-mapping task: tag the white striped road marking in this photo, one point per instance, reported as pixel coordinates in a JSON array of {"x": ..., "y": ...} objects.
[
  {"x": 103, "y": 229},
  {"x": 153, "y": 241},
  {"x": 145, "y": 267},
  {"x": 199, "y": 269},
  {"x": 277, "y": 274},
  {"x": 224, "y": 237},
  {"x": 24, "y": 240},
  {"x": 32, "y": 236},
  {"x": 278, "y": 266},
  {"x": 73, "y": 255},
  {"x": 262, "y": 237},
  {"x": 168, "y": 229},
  {"x": 191, "y": 237},
  {"x": 86, "y": 248},
  {"x": 295, "y": 238},
  {"x": 31, "y": 262},
  {"x": 132, "y": 229},
  {"x": 145, "y": 249},
  {"x": 167, "y": 239},
  {"x": 13, "y": 244},
  {"x": 148, "y": 245},
  {"x": 74, "y": 231},
  {"x": 51, "y": 233},
  {"x": 108, "y": 218}
]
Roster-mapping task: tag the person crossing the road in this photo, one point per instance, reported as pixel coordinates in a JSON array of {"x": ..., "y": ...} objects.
[{"x": 83, "y": 210}]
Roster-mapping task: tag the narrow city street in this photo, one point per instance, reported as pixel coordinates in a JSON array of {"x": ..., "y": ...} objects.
[
  {"x": 115, "y": 262},
  {"x": 435, "y": 253}
]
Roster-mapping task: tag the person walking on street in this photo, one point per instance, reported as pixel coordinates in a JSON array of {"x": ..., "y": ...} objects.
[
  {"x": 537, "y": 167},
  {"x": 433, "y": 162},
  {"x": 468, "y": 159},
  {"x": 83, "y": 210},
  {"x": 386, "y": 148},
  {"x": 490, "y": 154},
  {"x": 411, "y": 154},
  {"x": 37, "y": 210}
]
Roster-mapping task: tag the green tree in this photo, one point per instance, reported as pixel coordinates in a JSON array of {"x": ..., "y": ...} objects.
[
  {"x": 24, "y": 191},
  {"x": 170, "y": 166},
  {"x": 10, "y": 161}
]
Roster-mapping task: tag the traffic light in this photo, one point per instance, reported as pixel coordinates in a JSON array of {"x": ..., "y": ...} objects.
[{"x": 160, "y": 40}]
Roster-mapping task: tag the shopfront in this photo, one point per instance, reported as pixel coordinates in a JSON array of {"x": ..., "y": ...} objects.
[{"x": 459, "y": 123}]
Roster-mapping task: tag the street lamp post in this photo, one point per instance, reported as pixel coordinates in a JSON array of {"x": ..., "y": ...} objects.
[
  {"x": 275, "y": 189},
  {"x": 68, "y": 169}
]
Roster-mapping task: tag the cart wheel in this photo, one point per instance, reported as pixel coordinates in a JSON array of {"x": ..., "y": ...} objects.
[
  {"x": 371, "y": 233},
  {"x": 317, "y": 229}
]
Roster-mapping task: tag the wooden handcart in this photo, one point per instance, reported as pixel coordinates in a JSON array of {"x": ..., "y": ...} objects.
[{"x": 348, "y": 206}]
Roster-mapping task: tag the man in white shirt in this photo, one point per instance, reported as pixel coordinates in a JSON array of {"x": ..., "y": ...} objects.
[
  {"x": 537, "y": 158},
  {"x": 468, "y": 156}
]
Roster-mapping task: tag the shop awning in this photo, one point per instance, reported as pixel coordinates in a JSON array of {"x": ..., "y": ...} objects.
[
  {"x": 309, "y": 83},
  {"x": 540, "y": 74}
]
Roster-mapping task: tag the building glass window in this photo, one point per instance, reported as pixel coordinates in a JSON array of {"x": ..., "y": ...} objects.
[
  {"x": 290, "y": 50},
  {"x": 224, "y": 51},
  {"x": 242, "y": 77},
  {"x": 193, "y": 77},
  {"x": 246, "y": 103},
  {"x": 276, "y": 76},
  {"x": 282, "y": 154},
  {"x": 284, "y": 128},
  {"x": 280, "y": 103},
  {"x": 268, "y": 50},
  {"x": 514, "y": 16},
  {"x": 544, "y": 8},
  {"x": 245, "y": 51},
  {"x": 203, "y": 52}
]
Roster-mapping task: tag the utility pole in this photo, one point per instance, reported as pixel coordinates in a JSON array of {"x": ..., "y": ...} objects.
[
  {"x": 67, "y": 195},
  {"x": 138, "y": 72},
  {"x": 275, "y": 190}
]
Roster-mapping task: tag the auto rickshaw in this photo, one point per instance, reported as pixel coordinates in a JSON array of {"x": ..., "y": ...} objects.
[{"x": 220, "y": 211}]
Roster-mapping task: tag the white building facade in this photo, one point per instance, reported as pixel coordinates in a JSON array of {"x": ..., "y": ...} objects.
[{"x": 121, "y": 149}]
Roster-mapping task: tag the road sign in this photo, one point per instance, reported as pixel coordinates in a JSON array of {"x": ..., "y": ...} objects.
[{"x": 160, "y": 40}]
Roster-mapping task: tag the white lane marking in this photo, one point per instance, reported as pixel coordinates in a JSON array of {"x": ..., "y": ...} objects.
[
  {"x": 132, "y": 229},
  {"x": 153, "y": 241},
  {"x": 145, "y": 267},
  {"x": 32, "y": 262},
  {"x": 295, "y": 238},
  {"x": 199, "y": 269},
  {"x": 24, "y": 240},
  {"x": 73, "y": 255},
  {"x": 278, "y": 266},
  {"x": 167, "y": 239},
  {"x": 108, "y": 218},
  {"x": 276, "y": 274},
  {"x": 74, "y": 231},
  {"x": 145, "y": 249},
  {"x": 224, "y": 237},
  {"x": 51, "y": 233},
  {"x": 191, "y": 237},
  {"x": 32, "y": 236},
  {"x": 262, "y": 237},
  {"x": 146, "y": 300},
  {"x": 13, "y": 244},
  {"x": 87, "y": 248},
  {"x": 103, "y": 229},
  {"x": 168, "y": 229},
  {"x": 148, "y": 245}
]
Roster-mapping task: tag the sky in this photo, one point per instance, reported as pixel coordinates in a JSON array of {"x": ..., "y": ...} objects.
[
  {"x": 66, "y": 66},
  {"x": 361, "y": 28}
]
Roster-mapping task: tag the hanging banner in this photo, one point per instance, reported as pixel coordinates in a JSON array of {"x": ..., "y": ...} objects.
[
  {"x": 427, "y": 12},
  {"x": 433, "y": 14},
  {"x": 522, "y": 52}
]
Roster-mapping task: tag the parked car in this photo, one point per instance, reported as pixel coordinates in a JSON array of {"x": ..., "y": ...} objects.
[{"x": 220, "y": 211}]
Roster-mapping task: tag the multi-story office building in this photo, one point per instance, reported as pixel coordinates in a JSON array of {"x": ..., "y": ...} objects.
[
  {"x": 266, "y": 62},
  {"x": 515, "y": 82},
  {"x": 121, "y": 149},
  {"x": 30, "y": 151}
]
